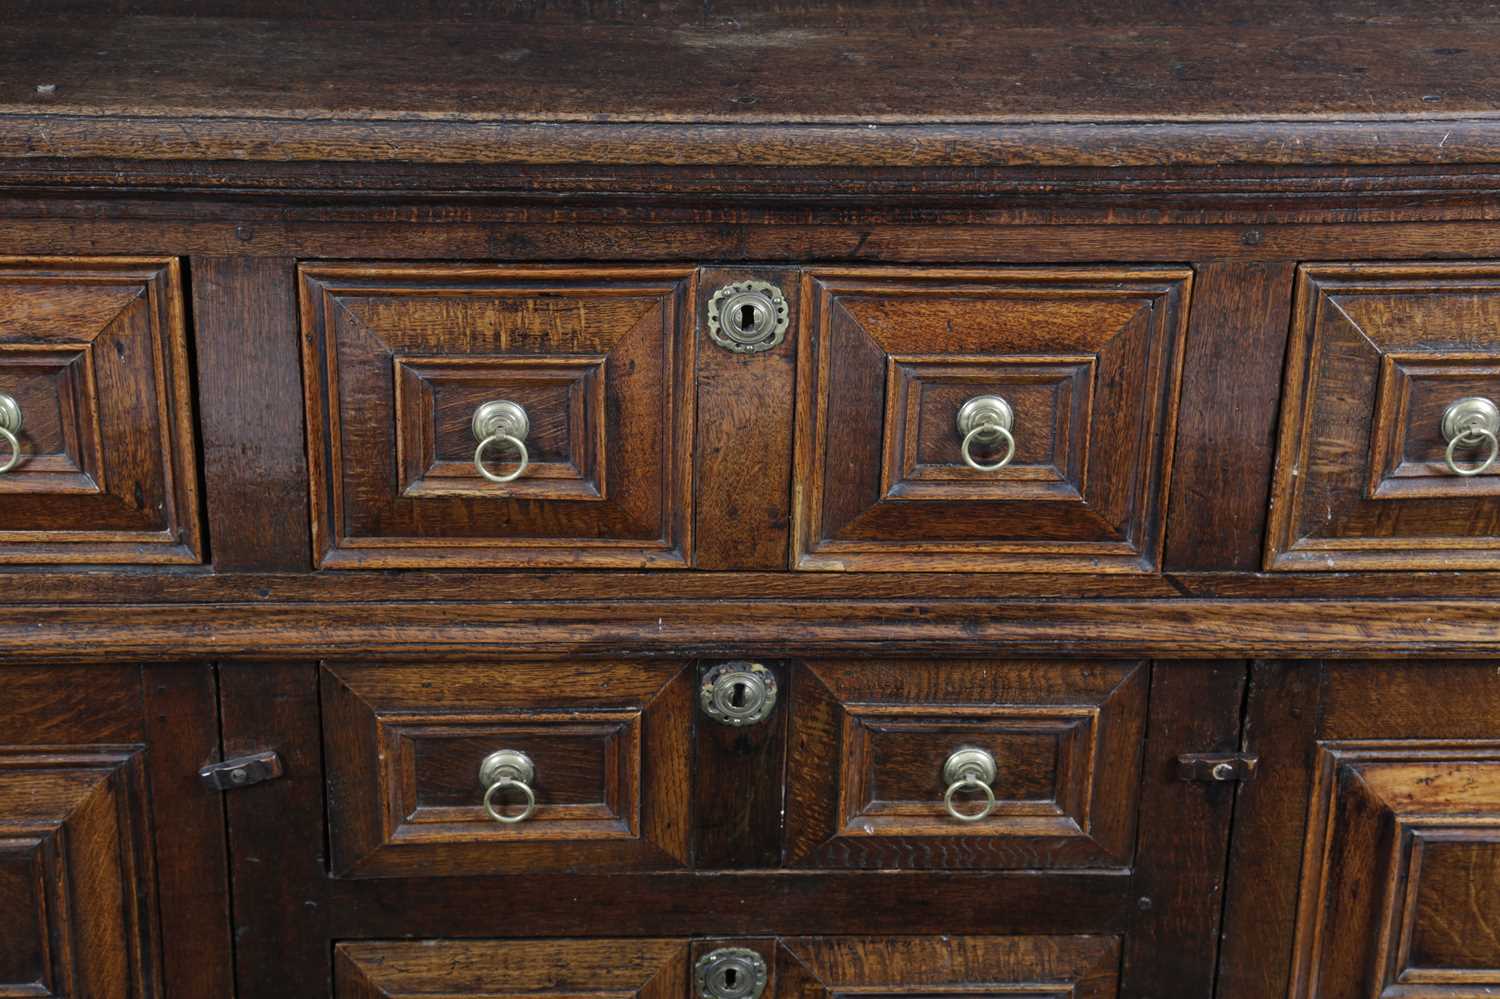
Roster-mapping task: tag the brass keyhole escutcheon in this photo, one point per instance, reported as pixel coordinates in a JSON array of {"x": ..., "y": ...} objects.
[
  {"x": 748, "y": 316},
  {"x": 738, "y": 693},
  {"x": 731, "y": 973}
]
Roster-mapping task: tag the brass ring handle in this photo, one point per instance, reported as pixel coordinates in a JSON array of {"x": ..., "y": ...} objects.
[
  {"x": 501, "y": 422},
  {"x": 502, "y": 770},
  {"x": 1469, "y": 423},
  {"x": 993, "y": 430},
  {"x": 10, "y": 426},
  {"x": 501, "y": 785},
  {"x": 523, "y": 458},
  {"x": 970, "y": 769},
  {"x": 986, "y": 419},
  {"x": 1481, "y": 434},
  {"x": 970, "y": 782}
]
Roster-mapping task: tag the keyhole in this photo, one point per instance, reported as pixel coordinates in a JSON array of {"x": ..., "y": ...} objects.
[
  {"x": 748, "y": 316},
  {"x": 730, "y": 977},
  {"x": 737, "y": 699}
]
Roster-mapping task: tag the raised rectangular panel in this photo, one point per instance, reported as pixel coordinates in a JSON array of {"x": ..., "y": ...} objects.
[
  {"x": 1378, "y": 353},
  {"x": 502, "y": 969},
  {"x": 869, "y": 741},
  {"x": 1088, "y": 361},
  {"x": 397, "y": 358},
  {"x": 76, "y": 875},
  {"x": 1400, "y": 895},
  {"x": 1063, "y": 967},
  {"x": 436, "y": 397},
  {"x": 610, "y": 744},
  {"x": 93, "y": 351}
]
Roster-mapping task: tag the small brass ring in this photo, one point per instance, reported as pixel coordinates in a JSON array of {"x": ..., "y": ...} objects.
[
  {"x": 502, "y": 784},
  {"x": 1470, "y": 438},
  {"x": 515, "y": 442},
  {"x": 969, "y": 782},
  {"x": 15, "y": 450},
  {"x": 988, "y": 431}
]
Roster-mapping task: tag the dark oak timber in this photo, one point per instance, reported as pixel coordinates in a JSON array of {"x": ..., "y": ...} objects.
[{"x": 1227, "y": 265}]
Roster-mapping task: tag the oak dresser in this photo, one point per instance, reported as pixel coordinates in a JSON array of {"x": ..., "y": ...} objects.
[{"x": 722, "y": 500}]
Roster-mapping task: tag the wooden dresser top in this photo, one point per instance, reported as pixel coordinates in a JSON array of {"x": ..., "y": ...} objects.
[{"x": 674, "y": 83}]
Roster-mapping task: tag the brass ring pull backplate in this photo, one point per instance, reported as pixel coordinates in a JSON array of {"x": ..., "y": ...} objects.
[
  {"x": 501, "y": 422},
  {"x": 1467, "y": 424},
  {"x": 505, "y": 770},
  {"x": 986, "y": 419},
  {"x": 970, "y": 769},
  {"x": 10, "y": 429}
]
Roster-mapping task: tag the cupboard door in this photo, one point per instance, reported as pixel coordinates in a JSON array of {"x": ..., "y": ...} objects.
[
  {"x": 1370, "y": 850},
  {"x": 112, "y": 872}
]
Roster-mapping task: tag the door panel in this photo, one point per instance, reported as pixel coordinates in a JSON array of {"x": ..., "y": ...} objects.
[
  {"x": 1369, "y": 851},
  {"x": 112, "y": 876}
]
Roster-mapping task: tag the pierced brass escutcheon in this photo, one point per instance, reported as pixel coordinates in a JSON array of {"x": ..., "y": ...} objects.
[
  {"x": 738, "y": 693},
  {"x": 731, "y": 973},
  {"x": 748, "y": 317}
]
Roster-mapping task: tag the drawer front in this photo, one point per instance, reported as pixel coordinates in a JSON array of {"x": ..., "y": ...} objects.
[
  {"x": 870, "y": 783},
  {"x": 1079, "y": 967},
  {"x": 76, "y": 874},
  {"x": 598, "y": 969},
  {"x": 95, "y": 403},
  {"x": 897, "y": 475},
  {"x": 1368, "y": 476},
  {"x": 608, "y": 747},
  {"x": 401, "y": 359}
]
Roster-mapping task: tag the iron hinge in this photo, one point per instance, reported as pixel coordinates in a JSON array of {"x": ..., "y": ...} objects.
[
  {"x": 242, "y": 771},
  {"x": 1217, "y": 767}
]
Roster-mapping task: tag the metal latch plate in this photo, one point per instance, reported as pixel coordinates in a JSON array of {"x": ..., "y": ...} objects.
[
  {"x": 242, "y": 771},
  {"x": 1217, "y": 767}
]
